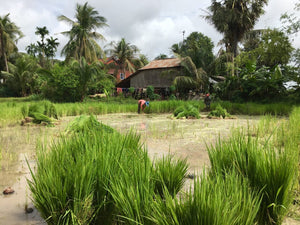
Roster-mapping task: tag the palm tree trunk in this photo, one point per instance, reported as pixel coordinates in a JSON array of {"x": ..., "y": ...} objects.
[{"x": 3, "y": 51}]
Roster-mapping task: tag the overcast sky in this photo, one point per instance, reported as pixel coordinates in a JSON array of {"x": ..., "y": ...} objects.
[{"x": 152, "y": 25}]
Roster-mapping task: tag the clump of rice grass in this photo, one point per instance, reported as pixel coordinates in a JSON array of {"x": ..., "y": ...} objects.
[
  {"x": 186, "y": 111},
  {"x": 86, "y": 123},
  {"x": 264, "y": 166},
  {"x": 94, "y": 176},
  {"x": 219, "y": 200},
  {"x": 169, "y": 173},
  {"x": 41, "y": 113},
  {"x": 219, "y": 112}
]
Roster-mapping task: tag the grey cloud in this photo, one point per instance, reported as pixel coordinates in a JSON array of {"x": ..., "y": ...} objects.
[{"x": 151, "y": 25}]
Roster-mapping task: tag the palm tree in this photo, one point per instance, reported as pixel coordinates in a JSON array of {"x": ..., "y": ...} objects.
[
  {"x": 83, "y": 34},
  {"x": 51, "y": 47},
  {"x": 191, "y": 77},
  {"x": 32, "y": 49},
  {"x": 124, "y": 54},
  {"x": 234, "y": 18},
  {"x": 23, "y": 76},
  {"x": 9, "y": 35}
]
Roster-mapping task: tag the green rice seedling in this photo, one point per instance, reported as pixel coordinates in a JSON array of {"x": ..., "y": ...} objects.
[
  {"x": 186, "y": 111},
  {"x": 219, "y": 112},
  {"x": 86, "y": 123},
  {"x": 264, "y": 166},
  {"x": 133, "y": 192},
  {"x": 219, "y": 201},
  {"x": 74, "y": 180},
  {"x": 169, "y": 173}
]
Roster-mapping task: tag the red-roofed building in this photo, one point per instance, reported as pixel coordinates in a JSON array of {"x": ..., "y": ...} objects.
[{"x": 115, "y": 70}]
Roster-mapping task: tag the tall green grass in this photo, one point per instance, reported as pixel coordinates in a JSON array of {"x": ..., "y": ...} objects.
[
  {"x": 270, "y": 168},
  {"x": 214, "y": 201},
  {"x": 95, "y": 175},
  {"x": 250, "y": 108},
  {"x": 11, "y": 108}
]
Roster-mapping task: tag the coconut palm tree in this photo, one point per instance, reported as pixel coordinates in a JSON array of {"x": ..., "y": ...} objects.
[
  {"x": 51, "y": 47},
  {"x": 9, "y": 35},
  {"x": 42, "y": 31},
  {"x": 124, "y": 54},
  {"x": 234, "y": 18},
  {"x": 191, "y": 77},
  {"x": 23, "y": 77},
  {"x": 83, "y": 34}
]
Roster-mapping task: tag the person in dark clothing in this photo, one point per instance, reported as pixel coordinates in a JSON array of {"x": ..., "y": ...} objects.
[{"x": 207, "y": 101}]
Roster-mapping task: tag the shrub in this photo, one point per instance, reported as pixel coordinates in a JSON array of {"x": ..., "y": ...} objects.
[{"x": 150, "y": 92}]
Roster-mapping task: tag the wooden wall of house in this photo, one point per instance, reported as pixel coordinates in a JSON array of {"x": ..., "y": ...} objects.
[{"x": 153, "y": 77}]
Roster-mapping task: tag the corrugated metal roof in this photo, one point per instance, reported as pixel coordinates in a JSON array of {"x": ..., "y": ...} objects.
[{"x": 162, "y": 63}]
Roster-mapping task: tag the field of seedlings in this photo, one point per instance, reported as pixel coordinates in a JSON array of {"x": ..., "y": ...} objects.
[{"x": 97, "y": 164}]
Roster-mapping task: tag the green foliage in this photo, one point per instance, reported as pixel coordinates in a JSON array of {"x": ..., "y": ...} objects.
[
  {"x": 274, "y": 49},
  {"x": 234, "y": 19},
  {"x": 83, "y": 34},
  {"x": 219, "y": 112},
  {"x": 253, "y": 84},
  {"x": 198, "y": 47},
  {"x": 150, "y": 92},
  {"x": 23, "y": 79},
  {"x": 10, "y": 34},
  {"x": 59, "y": 89}
]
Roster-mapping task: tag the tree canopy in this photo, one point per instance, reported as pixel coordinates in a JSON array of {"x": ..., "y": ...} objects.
[
  {"x": 83, "y": 34},
  {"x": 233, "y": 18},
  {"x": 10, "y": 33},
  {"x": 198, "y": 47}
]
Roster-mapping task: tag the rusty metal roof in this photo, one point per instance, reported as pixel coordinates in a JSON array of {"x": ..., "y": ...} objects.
[{"x": 162, "y": 63}]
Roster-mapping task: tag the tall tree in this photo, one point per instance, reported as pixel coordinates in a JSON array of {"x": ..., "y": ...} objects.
[
  {"x": 197, "y": 46},
  {"x": 124, "y": 54},
  {"x": 83, "y": 34},
  {"x": 42, "y": 31},
  {"x": 51, "y": 47},
  {"x": 234, "y": 18},
  {"x": 9, "y": 35}
]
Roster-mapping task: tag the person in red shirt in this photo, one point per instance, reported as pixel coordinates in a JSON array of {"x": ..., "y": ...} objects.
[{"x": 142, "y": 105}]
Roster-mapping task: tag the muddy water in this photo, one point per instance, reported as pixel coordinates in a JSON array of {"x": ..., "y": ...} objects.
[{"x": 160, "y": 133}]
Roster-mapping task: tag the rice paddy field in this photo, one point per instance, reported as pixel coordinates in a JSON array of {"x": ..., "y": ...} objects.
[{"x": 119, "y": 167}]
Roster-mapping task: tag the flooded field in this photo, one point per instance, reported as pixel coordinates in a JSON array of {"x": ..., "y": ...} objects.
[{"x": 160, "y": 134}]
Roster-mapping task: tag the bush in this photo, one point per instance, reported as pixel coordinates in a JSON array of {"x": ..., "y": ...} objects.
[{"x": 150, "y": 92}]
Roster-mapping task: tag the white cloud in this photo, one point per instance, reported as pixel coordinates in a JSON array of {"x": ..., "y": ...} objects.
[{"x": 154, "y": 26}]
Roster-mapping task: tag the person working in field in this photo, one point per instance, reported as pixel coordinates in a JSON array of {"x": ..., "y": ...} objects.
[
  {"x": 207, "y": 101},
  {"x": 142, "y": 105}
]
